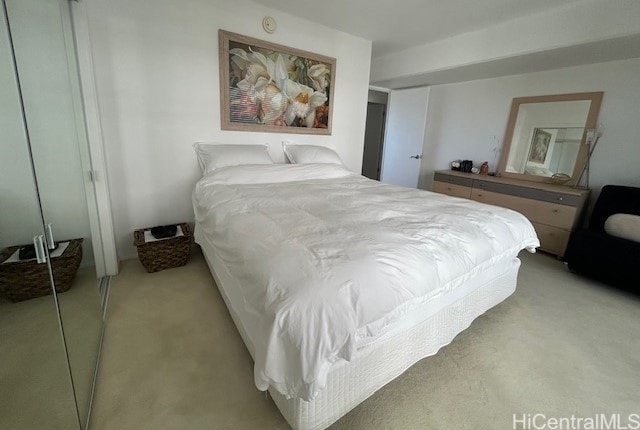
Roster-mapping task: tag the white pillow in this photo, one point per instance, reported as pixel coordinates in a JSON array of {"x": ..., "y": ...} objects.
[
  {"x": 212, "y": 156},
  {"x": 305, "y": 154},
  {"x": 626, "y": 226}
]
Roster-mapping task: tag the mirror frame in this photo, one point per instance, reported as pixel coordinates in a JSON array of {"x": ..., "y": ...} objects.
[{"x": 583, "y": 153}]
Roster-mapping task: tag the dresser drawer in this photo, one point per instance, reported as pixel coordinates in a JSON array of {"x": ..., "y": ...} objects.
[
  {"x": 465, "y": 181},
  {"x": 551, "y": 214},
  {"x": 552, "y": 239},
  {"x": 451, "y": 189},
  {"x": 562, "y": 198}
]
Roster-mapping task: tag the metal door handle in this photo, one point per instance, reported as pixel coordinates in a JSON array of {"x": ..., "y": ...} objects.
[
  {"x": 50, "y": 242},
  {"x": 38, "y": 244},
  {"x": 417, "y": 156}
]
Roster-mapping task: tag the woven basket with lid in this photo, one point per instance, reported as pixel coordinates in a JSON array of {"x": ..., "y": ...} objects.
[
  {"x": 23, "y": 280},
  {"x": 165, "y": 253}
]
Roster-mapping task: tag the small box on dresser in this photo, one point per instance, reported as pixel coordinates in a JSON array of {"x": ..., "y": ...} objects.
[{"x": 166, "y": 253}]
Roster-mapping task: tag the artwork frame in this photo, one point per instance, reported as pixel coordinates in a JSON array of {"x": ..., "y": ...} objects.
[
  {"x": 251, "y": 99},
  {"x": 540, "y": 143}
]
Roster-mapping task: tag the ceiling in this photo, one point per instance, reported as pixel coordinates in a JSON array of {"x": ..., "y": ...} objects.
[
  {"x": 394, "y": 25},
  {"x": 595, "y": 52}
]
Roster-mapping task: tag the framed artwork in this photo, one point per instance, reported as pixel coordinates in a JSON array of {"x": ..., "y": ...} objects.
[
  {"x": 539, "y": 146},
  {"x": 272, "y": 88}
]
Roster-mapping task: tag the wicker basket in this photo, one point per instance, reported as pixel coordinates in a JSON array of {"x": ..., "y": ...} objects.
[
  {"x": 165, "y": 253},
  {"x": 23, "y": 280}
]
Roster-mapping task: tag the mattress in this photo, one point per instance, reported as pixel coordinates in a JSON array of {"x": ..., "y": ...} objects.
[
  {"x": 325, "y": 262},
  {"x": 419, "y": 335},
  {"x": 230, "y": 289}
]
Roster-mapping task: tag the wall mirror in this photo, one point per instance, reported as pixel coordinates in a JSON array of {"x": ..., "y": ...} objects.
[{"x": 546, "y": 137}]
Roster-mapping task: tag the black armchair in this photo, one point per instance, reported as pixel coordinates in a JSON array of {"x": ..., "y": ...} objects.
[{"x": 594, "y": 253}]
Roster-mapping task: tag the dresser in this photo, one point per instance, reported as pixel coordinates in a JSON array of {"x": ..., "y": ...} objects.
[{"x": 554, "y": 210}]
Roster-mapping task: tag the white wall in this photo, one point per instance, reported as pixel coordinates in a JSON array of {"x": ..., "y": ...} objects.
[
  {"x": 157, "y": 80},
  {"x": 468, "y": 120}
]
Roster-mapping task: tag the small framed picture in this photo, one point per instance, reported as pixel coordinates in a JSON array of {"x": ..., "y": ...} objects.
[{"x": 539, "y": 146}]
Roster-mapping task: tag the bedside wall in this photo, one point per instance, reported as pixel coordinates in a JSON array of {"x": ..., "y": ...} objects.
[{"x": 156, "y": 66}]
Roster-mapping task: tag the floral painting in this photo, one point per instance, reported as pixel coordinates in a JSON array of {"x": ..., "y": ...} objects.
[{"x": 268, "y": 87}]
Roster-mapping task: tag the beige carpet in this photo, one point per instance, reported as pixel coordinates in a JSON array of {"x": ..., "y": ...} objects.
[
  {"x": 560, "y": 345},
  {"x": 81, "y": 313},
  {"x": 35, "y": 388}
]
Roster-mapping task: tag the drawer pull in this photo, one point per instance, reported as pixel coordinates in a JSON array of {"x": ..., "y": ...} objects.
[
  {"x": 560, "y": 198},
  {"x": 555, "y": 211}
]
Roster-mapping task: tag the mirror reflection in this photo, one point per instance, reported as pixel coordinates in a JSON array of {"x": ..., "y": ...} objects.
[
  {"x": 51, "y": 258},
  {"x": 547, "y": 137}
]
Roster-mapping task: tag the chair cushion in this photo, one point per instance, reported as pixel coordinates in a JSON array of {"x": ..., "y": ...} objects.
[
  {"x": 626, "y": 226},
  {"x": 614, "y": 199}
]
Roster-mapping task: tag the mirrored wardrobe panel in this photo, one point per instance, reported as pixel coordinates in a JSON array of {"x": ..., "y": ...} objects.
[
  {"x": 35, "y": 388},
  {"x": 46, "y": 152}
]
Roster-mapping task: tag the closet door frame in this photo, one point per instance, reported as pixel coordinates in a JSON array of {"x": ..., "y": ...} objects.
[
  {"x": 77, "y": 29},
  {"x": 83, "y": 142}
]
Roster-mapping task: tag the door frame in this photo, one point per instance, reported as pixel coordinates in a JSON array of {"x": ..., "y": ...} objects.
[
  {"x": 386, "y": 120},
  {"x": 97, "y": 169}
]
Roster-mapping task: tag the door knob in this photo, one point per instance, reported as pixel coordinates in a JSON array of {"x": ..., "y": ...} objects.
[{"x": 417, "y": 156}]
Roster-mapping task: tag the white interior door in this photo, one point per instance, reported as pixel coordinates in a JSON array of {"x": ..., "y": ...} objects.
[{"x": 402, "y": 153}]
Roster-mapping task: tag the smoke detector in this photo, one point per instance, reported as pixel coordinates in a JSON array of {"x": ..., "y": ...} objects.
[{"x": 269, "y": 24}]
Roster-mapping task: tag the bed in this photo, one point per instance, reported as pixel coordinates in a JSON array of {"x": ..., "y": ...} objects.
[{"x": 338, "y": 284}]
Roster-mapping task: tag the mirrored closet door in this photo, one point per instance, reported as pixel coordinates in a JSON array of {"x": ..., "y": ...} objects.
[
  {"x": 35, "y": 388},
  {"x": 47, "y": 192}
]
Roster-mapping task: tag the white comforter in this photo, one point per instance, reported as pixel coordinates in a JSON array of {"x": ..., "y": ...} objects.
[{"x": 326, "y": 258}]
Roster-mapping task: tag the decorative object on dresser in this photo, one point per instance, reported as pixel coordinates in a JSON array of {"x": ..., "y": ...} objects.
[
  {"x": 484, "y": 168},
  {"x": 160, "y": 253},
  {"x": 605, "y": 251},
  {"x": 554, "y": 210},
  {"x": 462, "y": 165},
  {"x": 593, "y": 136},
  {"x": 547, "y": 137}
]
